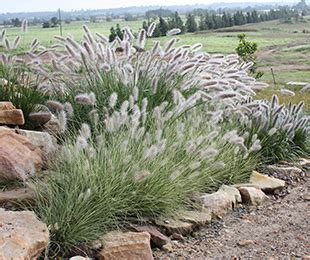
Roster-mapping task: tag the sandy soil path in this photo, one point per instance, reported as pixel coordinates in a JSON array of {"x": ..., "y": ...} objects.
[{"x": 279, "y": 229}]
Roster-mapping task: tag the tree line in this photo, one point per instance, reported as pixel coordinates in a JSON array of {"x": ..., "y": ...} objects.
[{"x": 209, "y": 20}]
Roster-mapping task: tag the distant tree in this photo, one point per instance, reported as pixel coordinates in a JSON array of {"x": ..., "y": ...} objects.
[
  {"x": 54, "y": 22},
  {"x": 46, "y": 24},
  {"x": 202, "y": 24},
  {"x": 255, "y": 17},
  {"x": 112, "y": 35},
  {"x": 304, "y": 12},
  {"x": 176, "y": 22},
  {"x": 191, "y": 25},
  {"x": 163, "y": 26},
  {"x": 249, "y": 17},
  {"x": 153, "y": 14},
  {"x": 302, "y": 5},
  {"x": 119, "y": 32},
  {"x": 16, "y": 22},
  {"x": 145, "y": 25},
  {"x": 108, "y": 19},
  {"x": 239, "y": 18},
  {"x": 93, "y": 19},
  {"x": 130, "y": 18}
]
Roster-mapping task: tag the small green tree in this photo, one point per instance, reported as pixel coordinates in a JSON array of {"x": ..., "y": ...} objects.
[
  {"x": 145, "y": 25},
  {"x": 246, "y": 51},
  {"x": 54, "y": 22},
  {"x": 112, "y": 35},
  {"x": 119, "y": 32}
]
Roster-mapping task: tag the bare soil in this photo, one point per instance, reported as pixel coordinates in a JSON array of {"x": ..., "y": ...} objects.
[{"x": 279, "y": 229}]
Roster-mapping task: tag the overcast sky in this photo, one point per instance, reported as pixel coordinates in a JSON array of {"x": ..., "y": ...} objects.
[{"x": 50, "y": 5}]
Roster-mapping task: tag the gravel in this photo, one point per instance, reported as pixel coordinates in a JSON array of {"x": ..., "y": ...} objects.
[{"x": 280, "y": 228}]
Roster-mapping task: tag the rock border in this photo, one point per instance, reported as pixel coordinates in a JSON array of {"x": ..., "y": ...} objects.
[{"x": 137, "y": 241}]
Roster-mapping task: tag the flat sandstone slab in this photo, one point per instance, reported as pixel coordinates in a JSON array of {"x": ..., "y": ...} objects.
[
  {"x": 12, "y": 117},
  {"x": 6, "y": 105},
  {"x": 22, "y": 235}
]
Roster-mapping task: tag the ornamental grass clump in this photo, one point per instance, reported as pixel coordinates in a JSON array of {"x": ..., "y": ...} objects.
[
  {"x": 283, "y": 131},
  {"x": 133, "y": 170}
]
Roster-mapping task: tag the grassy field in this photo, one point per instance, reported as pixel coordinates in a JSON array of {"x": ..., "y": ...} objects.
[{"x": 282, "y": 47}]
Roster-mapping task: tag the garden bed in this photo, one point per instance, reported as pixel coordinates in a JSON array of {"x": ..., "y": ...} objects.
[{"x": 138, "y": 132}]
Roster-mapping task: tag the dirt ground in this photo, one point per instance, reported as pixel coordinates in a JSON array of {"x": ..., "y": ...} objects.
[{"x": 279, "y": 229}]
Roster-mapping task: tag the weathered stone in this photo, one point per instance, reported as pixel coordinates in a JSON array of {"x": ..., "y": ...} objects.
[
  {"x": 266, "y": 183},
  {"x": 40, "y": 117},
  {"x": 198, "y": 218},
  {"x": 12, "y": 117},
  {"x": 46, "y": 142},
  {"x": 233, "y": 192},
  {"x": 157, "y": 238},
  {"x": 176, "y": 236},
  {"x": 16, "y": 196},
  {"x": 304, "y": 163},
  {"x": 284, "y": 170},
  {"x": 22, "y": 235},
  {"x": 129, "y": 245},
  {"x": 168, "y": 248},
  {"x": 19, "y": 158},
  {"x": 306, "y": 197},
  {"x": 252, "y": 196},
  {"x": 245, "y": 242},
  {"x": 6, "y": 106},
  {"x": 219, "y": 203},
  {"x": 175, "y": 226}
]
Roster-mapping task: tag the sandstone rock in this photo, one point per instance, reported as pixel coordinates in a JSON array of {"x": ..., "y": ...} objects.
[
  {"x": 195, "y": 217},
  {"x": 22, "y": 235},
  {"x": 245, "y": 242},
  {"x": 6, "y": 106},
  {"x": 168, "y": 248},
  {"x": 157, "y": 238},
  {"x": 12, "y": 117},
  {"x": 175, "y": 226},
  {"x": 129, "y": 246},
  {"x": 233, "y": 192},
  {"x": 176, "y": 236},
  {"x": 19, "y": 158},
  {"x": 304, "y": 163},
  {"x": 16, "y": 196},
  {"x": 219, "y": 203},
  {"x": 46, "y": 142},
  {"x": 284, "y": 170},
  {"x": 306, "y": 197},
  {"x": 266, "y": 183},
  {"x": 252, "y": 195}
]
